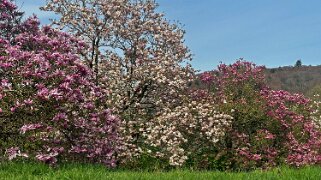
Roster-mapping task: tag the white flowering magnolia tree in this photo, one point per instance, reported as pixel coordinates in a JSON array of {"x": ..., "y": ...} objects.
[{"x": 139, "y": 57}]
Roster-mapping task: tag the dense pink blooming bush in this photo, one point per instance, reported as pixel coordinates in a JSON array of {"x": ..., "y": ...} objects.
[
  {"x": 301, "y": 135},
  {"x": 50, "y": 109},
  {"x": 269, "y": 127}
]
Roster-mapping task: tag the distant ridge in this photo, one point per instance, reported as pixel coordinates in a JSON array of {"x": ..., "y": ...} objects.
[
  {"x": 302, "y": 79},
  {"x": 294, "y": 79}
]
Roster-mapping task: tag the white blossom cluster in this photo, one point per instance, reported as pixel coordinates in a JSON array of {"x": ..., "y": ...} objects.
[{"x": 177, "y": 132}]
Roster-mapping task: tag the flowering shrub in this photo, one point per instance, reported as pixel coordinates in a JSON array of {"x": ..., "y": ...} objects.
[
  {"x": 50, "y": 108},
  {"x": 300, "y": 134},
  {"x": 236, "y": 88},
  {"x": 269, "y": 127}
]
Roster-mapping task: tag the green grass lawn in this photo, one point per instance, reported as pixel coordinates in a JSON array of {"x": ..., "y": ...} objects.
[{"x": 39, "y": 171}]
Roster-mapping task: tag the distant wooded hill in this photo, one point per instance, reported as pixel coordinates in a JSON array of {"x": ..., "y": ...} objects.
[
  {"x": 302, "y": 79},
  {"x": 295, "y": 79}
]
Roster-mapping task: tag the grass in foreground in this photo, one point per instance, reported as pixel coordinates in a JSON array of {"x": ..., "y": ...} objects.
[{"x": 40, "y": 171}]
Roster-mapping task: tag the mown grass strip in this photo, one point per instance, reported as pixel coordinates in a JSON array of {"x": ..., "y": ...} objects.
[{"x": 25, "y": 171}]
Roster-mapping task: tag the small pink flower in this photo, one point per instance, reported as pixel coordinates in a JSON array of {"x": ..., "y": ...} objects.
[
  {"x": 28, "y": 127},
  {"x": 28, "y": 101},
  {"x": 256, "y": 157}
]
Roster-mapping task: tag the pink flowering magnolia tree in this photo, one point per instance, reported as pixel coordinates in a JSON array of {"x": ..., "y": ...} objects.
[
  {"x": 135, "y": 53},
  {"x": 50, "y": 108},
  {"x": 268, "y": 127}
]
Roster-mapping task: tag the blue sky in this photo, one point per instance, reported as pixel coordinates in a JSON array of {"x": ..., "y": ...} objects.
[{"x": 268, "y": 32}]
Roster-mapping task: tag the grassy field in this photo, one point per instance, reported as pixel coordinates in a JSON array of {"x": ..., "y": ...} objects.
[{"x": 39, "y": 171}]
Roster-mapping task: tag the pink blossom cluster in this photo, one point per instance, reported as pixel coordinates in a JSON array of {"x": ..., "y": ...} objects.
[
  {"x": 207, "y": 77},
  {"x": 258, "y": 151},
  {"x": 238, "y": 72},
  {"x": 15, "y": 152},
  {"x": 301, "y": 135}
]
